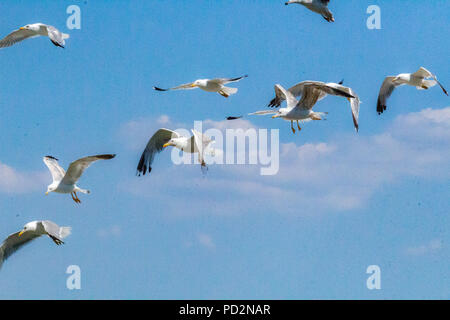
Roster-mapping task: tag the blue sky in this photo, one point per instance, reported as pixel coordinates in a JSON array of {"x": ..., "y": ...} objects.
[{"x": 341, "y": 202}]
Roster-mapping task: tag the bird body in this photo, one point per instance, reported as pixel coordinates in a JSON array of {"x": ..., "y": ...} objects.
[
  {"x": 31, "y": 231},
  {"x": 417, "y": 79},
  {"x": 317, "y": 6},
  {"x": 310, "y": 92},
  {"x": 65, "y": 182},
  {"x": 209, "y": 85},
  {"x": 163, "y": 138},
  {"x": 32, "y": 31}
]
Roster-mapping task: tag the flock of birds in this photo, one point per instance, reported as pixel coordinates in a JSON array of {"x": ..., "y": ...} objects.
[{"x": 300, "y": 101}]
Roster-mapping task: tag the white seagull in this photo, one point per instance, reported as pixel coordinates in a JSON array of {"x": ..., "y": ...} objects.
[
  {"x": 318, "y": 6},
  {"x": 311, "y": 92},
  {"x": 198, "y": 143},
  {"x": 417, "y": 79},
  {"x": 66, "y": 182},
  {"x": 209, "y": 85},
  {"x": 32, "y": 31},
  {"x": 31, "y": 231}
]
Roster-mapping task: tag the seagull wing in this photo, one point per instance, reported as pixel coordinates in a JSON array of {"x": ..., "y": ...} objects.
[
  {"x": 354, "y": 103},
  {"x": 56, "y": 36},
  {"x": 154, "y": 145},
  {"x": 55, "y": 232},
  {"x": 385, "y": 92},
  {"x": 422, "y": 73},
  {"x": 186, "y": 86},
  {"x": 296, "y": 91},
  {"x": 77, "y": 168},
  {"x": 227, "y": 80},
  {"x": 286, "y": 95},
  {"x": 57, "y": 172},
  {"x": 17, "y": 36},
  {"x": 14, "y": 242},
  {"x": 201, "y": 142},
  {"x": 262, "y": 113},
  {"x": 440, "y": 84}
]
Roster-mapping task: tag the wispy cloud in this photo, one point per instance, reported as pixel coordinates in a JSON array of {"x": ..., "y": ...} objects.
[
  {"x": 111, "y": 231},
  {"x": 430, "y": 247},
  {"x": 13, "y": 181},
  {"x": 336, "y": 175}
]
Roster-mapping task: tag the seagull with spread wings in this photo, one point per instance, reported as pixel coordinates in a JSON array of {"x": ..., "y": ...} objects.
[
  {"x": 198, "y": 143},
  {"x": 65, "y": 182},
  {"x": 311, "y": 92},
  {"x": 31, "y": 231},
  {"x": 419, "y": 79},
  {"x": 318, "y": 6},
  {"x": 32, "y": 31},
  {"x": 209, "y": 85}
]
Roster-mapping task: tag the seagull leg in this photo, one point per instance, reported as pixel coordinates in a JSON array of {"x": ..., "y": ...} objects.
[
  {"x": 298, "y": 126},
  {"x": 77, "y": 200},
  {"x": 292, "y": 127},
  {"x": 223, "y": 94},
  {"x": 73, "y": 198}
]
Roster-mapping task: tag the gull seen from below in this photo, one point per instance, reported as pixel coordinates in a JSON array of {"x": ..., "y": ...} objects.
[
  {"x": 65, "y": 182},
  {"x": 417, "y": 79},
  {"x": 31, "y": 231},
  {"x": 198, "y": 143},
  {"x": 32, "y": 31},
  {"x": 311, "y": 92},
  {"x": 209, "y": 85},
  {"x": 318, "y": 6}
]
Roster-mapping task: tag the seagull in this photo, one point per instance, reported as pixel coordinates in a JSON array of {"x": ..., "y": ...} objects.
[
  {"x": 66, "y": 182},
  {"x": 209, "y": 85},
  {"x": 311, "y": 92},
  {"x": 163, "y": 138},
  {"x": 31, "y": 231},
  {"x": 318, "y": 6},
  {"x": 417, "y": 79},
  {"x": 32, "y": 31}
]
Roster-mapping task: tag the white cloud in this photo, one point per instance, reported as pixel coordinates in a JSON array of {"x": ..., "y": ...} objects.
[
  {"x": 14, "y": 181},
  {"x": 205, "y": 240},
  {"x": 111, "y": 231},
  {"x": 430, "y": 247},
  {"x": 336, "y": 175}
]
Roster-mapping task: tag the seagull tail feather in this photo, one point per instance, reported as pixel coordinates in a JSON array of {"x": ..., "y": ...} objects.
[{"x": 65, "y": 232}]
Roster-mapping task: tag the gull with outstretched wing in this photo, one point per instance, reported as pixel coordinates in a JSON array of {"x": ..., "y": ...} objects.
[
  {"x": 31, "y": 231},
  {"x": 209, "y": 85},
  {"x": 35, "y": 30},
  {"x": 419, "y": 79},
  {"x": 65, "y": 182}
]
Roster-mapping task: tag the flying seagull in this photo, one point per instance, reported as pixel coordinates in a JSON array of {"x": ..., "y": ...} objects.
[
  {"x": 163, "y": 138},
  {"x": 31, "y": 231},
  {"x": 318, "y": 6},
  {"x": 209, "y": 85},
  {"x": 66, "y": 182},
  {"x": 311, "y": 92},
  {"x": 417, "y": 79},
  {"x": 32, "y": 31}
]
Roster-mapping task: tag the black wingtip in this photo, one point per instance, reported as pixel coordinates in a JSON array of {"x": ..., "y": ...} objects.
[
  {"x": 51, "y": 157},
  {"x": 159, "y": 89},
  {"x": 234, "y": 118}
]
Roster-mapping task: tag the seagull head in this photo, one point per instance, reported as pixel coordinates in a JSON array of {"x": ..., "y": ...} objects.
[
  {"x": 33, "y": 27},
  {"x": 199, "y": 83},
  {"x": 50, "y": 188},
  {"x": 30, "y": 226}
]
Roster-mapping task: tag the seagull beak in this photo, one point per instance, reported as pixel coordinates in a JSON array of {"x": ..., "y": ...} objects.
[
  {"x": 46, "y": 193},
  {"x": 275, "y": 116},
  {"x": 193, "y": 85},
  {"x": 166, "y": 145},
  {"x": 21, "y": 233},
  {"x": 22, "y": 28}
]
